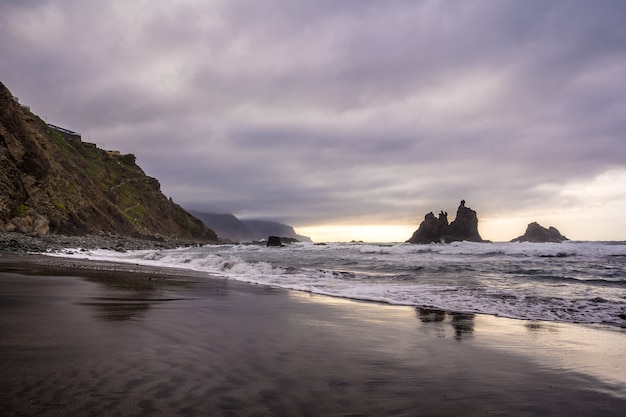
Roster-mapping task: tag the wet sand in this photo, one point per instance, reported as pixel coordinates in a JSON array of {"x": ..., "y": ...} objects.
[{"x": 83, "y": 338}]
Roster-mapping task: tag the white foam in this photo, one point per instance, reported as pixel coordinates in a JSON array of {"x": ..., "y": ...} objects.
[{"x": 466, "y": 277}]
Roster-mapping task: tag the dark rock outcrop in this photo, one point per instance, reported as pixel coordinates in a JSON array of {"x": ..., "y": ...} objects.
[
  {"x": 51, "y": 182},
  {"x": 274, "y": 241},
  {"x": 539, "y": 234},
  {"x": 464, "y": 226},
  {"x": 432, "y": 229},
  {"x": 437, "y": 230}
]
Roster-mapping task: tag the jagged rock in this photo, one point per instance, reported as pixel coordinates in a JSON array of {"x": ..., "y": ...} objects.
[
  {"x": 41, "y": 225},
  {"x": 464, "y": 226},
  {"x": 274, "y": 241},
  {"x": 539, "y": 234},
  {"x": 432, "y": 229},
  {"x": 436, "y": 229},
  {"x": 30, "y": 223}
]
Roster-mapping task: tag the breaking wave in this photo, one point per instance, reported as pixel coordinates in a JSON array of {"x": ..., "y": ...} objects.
[{"x": 582, "y": 282}]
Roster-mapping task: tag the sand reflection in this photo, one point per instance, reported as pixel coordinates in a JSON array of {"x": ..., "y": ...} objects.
[
  {"x": 123, "y": 308},
  {"x": 116, "y": 293},
  {"x": 125, "y": 296},
  {"x": 461, "y": 323}
]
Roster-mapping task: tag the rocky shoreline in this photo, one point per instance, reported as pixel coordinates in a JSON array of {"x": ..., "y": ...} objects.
[{"x": 23, "y": 243}]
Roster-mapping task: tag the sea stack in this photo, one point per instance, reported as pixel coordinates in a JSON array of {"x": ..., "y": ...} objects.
[
  {"x": 437, "y": 230},
  {"x": 539, "y": 234},
  {"x": 274, "y": 241}
]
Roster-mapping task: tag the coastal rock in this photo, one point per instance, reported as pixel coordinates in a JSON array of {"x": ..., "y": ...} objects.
[
  {"x": 464, "y": 226},
  {"x": 432, "y": 229},
  {"x": 30, "y": 223},
  {"x": 437, "y": 230},
  {"x": 274, "y": 241},
  {"x": 539, "y": 234}
]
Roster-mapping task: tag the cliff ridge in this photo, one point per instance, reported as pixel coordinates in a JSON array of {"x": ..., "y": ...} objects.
[{"x": 51, "y": 182}]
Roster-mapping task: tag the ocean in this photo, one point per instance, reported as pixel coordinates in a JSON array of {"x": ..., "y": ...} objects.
[{"x": 576, "y": 282}]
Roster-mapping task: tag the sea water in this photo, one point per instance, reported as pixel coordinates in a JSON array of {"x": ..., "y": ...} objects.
[{"x": 580, "y": 282}]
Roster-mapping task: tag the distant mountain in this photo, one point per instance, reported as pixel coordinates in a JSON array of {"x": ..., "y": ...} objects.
[
  {"x": 53, "y": 182},
  {"x": 267, "y": 228},
  {"x": 227, "y": 226}
]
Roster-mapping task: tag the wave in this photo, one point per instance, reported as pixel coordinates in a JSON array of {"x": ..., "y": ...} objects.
[{"x": 463, "y": 277}]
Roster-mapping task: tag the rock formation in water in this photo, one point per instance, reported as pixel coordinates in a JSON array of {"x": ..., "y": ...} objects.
[
  {"x": 274, "y": 241},
  {"x": 51, "y": 182},
  {"x": 539, "y": 234},
  {"x": 438, "y": 230},
  {"x": 432, "y": 229}
]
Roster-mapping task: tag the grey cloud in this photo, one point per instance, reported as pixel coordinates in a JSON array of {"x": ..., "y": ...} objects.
[{"x": 319, "y": 110}]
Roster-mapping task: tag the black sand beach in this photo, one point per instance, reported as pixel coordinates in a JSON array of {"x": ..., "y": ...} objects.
[{"x": 83, "y": 338}]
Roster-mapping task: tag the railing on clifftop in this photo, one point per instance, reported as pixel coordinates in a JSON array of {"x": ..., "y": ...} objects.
[{"x": 63, "y": 130}]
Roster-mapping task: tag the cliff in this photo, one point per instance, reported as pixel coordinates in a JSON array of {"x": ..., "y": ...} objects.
[
  {"x": 53, "y": 182},
  {"x": 438, "y": 230}
]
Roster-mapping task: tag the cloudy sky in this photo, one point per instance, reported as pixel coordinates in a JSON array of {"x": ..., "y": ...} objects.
[{"x": 348, "y": 119}]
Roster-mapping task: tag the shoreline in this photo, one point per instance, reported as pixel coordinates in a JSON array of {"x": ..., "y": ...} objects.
[
  {"x": 615, "y": 320},
  {"x": 14, "y": 242},
  {"x": 83, "y": 337}
]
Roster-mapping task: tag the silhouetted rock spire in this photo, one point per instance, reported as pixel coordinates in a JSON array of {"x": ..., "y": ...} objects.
[{"x": 436, "y": 229}]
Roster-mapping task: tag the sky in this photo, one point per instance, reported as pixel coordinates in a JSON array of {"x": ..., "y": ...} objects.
[{"x": 347, "y": 119}]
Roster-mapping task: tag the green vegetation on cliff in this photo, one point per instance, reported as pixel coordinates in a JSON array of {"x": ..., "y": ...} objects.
[{"x": 53, "y": 182}]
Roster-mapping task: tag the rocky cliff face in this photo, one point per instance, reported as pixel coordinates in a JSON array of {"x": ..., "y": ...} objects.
[
  {"x": 539, "y": 234},
  {"x": 52, "y": 182},
  {"x": 437, "y": 229}
]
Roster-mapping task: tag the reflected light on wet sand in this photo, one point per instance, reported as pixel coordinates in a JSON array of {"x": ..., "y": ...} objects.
[
  {"x": 597, "y": 351},
  {"x": 369, "y": 312}
]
